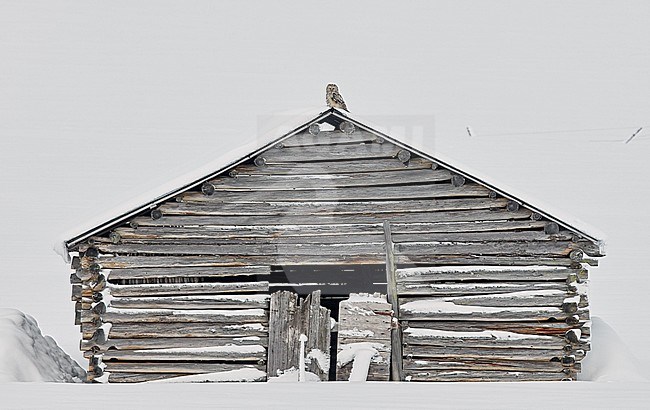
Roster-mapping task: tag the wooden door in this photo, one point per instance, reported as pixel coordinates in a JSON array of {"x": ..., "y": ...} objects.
[{"x": 289, "y": 317}]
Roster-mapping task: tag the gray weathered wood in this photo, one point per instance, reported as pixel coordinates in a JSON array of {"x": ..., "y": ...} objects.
[
  {"x": 329, "y": 138},
  {"x": 481, "y": 273},
  {"x": 485, "y": 376},
  {"x": 329, "y": 153},
  {"x": 285, "y": 182},
  {"x": 366, "y": 319},
  {"x": 174, "y": 330},
  {"x": 265, "y": 220},
  {"x": 191, "y": 272},
  {"x": 216, "y": 316},
  {"x": 329, "y": 208},
  {"x": 535, "y": 328},
  {"x": 478, "y": 364},
  {"x": 346, "y": 194},
  {"x": 175, "y": 367},
  {"x": 172, "y": 342},
  {"x": 259, "y": 301},
  {"x": 187, "y": 288},
  {"x": 452, "y": 353},
  {"x": 477, "y": 339},
  {"x": 112, "y": 262},
  {"x": 220, "y": 353},
  {"x": 335, "y": 167},
  {"x": 289, "y": 317}
]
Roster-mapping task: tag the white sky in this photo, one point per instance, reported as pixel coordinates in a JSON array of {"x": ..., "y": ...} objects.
[{"x": 100, "y": 101}]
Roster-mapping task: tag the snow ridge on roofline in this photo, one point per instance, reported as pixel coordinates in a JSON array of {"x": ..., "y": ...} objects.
[{"x": 298, "y": 121}]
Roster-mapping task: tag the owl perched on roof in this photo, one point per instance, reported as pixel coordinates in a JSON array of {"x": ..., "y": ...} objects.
[{"x": 333, "y": 98}]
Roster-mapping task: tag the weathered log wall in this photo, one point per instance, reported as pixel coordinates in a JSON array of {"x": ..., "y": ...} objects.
[
  {"x": 184, "y": 289},
  {"x": 493, "y": 323}
]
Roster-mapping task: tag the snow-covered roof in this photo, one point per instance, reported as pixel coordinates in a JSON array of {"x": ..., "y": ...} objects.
[{"x": 296, "y": 123}]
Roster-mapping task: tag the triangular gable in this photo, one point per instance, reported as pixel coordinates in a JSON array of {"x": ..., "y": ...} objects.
[{"x": 250, "y": 152}]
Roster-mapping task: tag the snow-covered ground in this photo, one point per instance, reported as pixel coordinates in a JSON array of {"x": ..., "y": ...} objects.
[
  {"x": 101, "y": 101},
  {"x": 28, "y": 356}
]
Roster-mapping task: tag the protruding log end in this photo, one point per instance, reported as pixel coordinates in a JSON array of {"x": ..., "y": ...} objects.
[
  {"x": 76, "y": 293},
  {"x": 95, "y": 268},
  {"x": 551, "y": 228},
  {"x": 279, "y": 145},
  {"x": 576, "y": 255},
  {"x": 259, "y": 161},
  {"x": 573, "y": 320},
  {"x": 493, "y": 195},
  {"x": 115, "y": 237},
  {"x": 347, "y": 127},
  {"x": 156, "y": 214},
  {"x": 99, "y": 308},
  {"x": 99, "y": 337},
  {"x": 314, "y": 129},
  {"x": 76, "y": 262},
  {"x": 457, "y": 180},
  {"x": 97, "y": 297},
  {"x": 74, "y": 279},
  {"x": 233, "y": 173},
  {"x": 570, "y": 307},
  {"x": 91, "y": 252},
  {"x": 572, "y": 336},
  {"x": 434, "y": 165},
  {"x": 133, "y": 224},
  {"x": 404, "y": 156},
  {"x": 512, "y": 206},
  {"x": 207, "y": 189},
  {"x": 536, "y": 216}
]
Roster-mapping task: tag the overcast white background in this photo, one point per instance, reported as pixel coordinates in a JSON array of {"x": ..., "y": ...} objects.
[{"x": 100, "y": 101}]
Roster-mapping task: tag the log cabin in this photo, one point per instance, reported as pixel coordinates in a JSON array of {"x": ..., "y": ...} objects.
[{"x": 337, "y": 246}]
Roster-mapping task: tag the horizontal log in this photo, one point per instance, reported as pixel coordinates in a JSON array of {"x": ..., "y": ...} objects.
[
  {"x": 486, "y": 248},
  {"x": 114, "y": 315},
  {"x": 175, "y": 367},
  {"x": 175, "y": 330},
  {"x": 335, "y": 167},
  {"x": 429, "y": 249},
  {"x": 285, "y": 231},
  {"x": 329, "y": 153},
  {"x": 189, "y": 239},
  {"x": 299, "y": 182},
  {"x": 139, "y": 377},
  {"x": 172, "y": 342},
  {"x": 445, "y": 309},
  {"x": 405, "y": 289},
  {"x": 405, "y": 192},
  {"x": 264, "y": 220},
  {"x": 187, "y": 288},
  {"x": 536, "y": 298},
  {"x": 535, "y": 328},
  {"x": 191, "y": 272},
  {"x": 485, "y": 353},
  {"x": 480, "y": 338},
  {"x": 330, "y": 208},
  {"x": 259, "y": 301},
  {"x": 221, "y": 353},
  {"x": 481, "y": 273},
  {"x": 116, "y": 262},
  {"x": 418, "y": 365},
  {"x": 484, "y": 376},
  {"x": 305, "y": 139}
]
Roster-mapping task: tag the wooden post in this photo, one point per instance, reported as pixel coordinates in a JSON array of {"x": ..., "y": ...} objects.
[{"x": 395, "y": 332}]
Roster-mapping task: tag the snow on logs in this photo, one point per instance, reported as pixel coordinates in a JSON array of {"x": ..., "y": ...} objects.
[
  {"x": 491, "y": 323},
  {"x": 158, "y": 323}
]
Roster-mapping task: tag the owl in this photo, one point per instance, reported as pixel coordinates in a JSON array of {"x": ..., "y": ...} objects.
[{"x": 333, "y": 98}]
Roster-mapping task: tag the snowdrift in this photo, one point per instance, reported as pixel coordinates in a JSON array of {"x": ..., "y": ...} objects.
[{"x": 28, "y": 356}]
